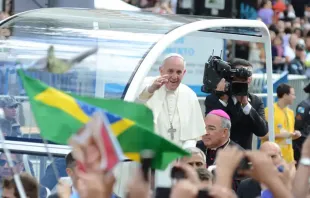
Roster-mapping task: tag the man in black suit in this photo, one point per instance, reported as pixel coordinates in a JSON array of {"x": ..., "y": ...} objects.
[{"x": 246, "y": 112}]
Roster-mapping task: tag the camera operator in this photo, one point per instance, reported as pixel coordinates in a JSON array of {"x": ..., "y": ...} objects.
[{"x": 246, "y": 111}]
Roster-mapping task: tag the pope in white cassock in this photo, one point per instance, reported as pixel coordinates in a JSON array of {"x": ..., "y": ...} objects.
[{"x": 177, "y": 113}]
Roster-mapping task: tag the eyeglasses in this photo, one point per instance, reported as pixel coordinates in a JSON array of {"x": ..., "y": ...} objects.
[{"x": 3, "y": 162}]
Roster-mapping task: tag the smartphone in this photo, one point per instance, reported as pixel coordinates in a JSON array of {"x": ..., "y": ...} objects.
[
  {"x": 162, "y": 192},
  {"x": 177, "y": 173}
]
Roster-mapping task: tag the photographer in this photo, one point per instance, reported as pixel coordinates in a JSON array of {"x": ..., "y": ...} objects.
[{"x": 246, "y": 110}]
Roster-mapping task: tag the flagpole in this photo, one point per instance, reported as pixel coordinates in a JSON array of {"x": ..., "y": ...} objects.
[
  {"x": 17, "y": 180},
  {"x": 50, "y": 157}
]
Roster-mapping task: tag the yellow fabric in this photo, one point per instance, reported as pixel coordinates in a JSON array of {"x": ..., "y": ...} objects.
[
  {"x": 55, "y": 98},
  {"x": 283, "y": 118}
]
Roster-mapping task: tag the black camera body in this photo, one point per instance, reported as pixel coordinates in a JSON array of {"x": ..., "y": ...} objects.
[{"x": 216, "y": 69}]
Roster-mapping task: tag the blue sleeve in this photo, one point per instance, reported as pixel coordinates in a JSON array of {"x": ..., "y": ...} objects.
[
  {"x": 266, "y": 194},
  {"x": 49, "y": 179}
]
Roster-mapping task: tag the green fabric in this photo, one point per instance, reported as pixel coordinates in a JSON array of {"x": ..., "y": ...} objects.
[
  {"x": 50, "y": 120},
  {"x": 140, "y": 114},
  {"x": 58, "y": 126}
]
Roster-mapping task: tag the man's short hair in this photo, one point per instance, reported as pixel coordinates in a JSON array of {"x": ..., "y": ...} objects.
[
  {"x": 283, "y": 89},
  {"x": 29, "y": 183},
  {"x": 195, "y": 150},
  {"x": 70, "y": 161},
  {"x": 240, "y": 62},
  {"x": 204, "y": 174},
  {"x": 226, "y": 124}
]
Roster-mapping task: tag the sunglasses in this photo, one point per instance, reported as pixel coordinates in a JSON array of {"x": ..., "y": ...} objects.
[{"x": 3, "y": 162}]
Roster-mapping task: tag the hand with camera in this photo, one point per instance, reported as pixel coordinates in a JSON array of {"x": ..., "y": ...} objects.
[
  {"x": 187, "y": 187},
  {"x": 221, "y": 87},
  {"x": 190, "y": 186},
  {"x": 227, "y": 161},
  {"x": 158, "y": 83},
  {"x": 266, "y": 173}
]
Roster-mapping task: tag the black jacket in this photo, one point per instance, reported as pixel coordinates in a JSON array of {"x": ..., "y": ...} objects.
[
  {"x": 204, "y": 149},
  {"x": 243, "y": 126},
  {"x": 302, "y": 123},
  {"x": 302, "y": 119}
]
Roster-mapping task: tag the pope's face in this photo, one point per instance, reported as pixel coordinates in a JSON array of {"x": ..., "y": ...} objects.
[{"x": 174, "y": 67}]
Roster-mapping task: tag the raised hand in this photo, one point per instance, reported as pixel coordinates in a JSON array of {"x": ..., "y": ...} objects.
[{"x": 158, "y": 83}]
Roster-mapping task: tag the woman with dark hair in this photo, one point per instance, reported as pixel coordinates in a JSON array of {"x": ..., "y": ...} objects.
[
  {"x": 265, "y": 12},
  {"x": 278, "y": 58}
]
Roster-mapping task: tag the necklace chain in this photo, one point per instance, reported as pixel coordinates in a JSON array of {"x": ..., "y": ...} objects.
[{"x": 175, "y": 108}]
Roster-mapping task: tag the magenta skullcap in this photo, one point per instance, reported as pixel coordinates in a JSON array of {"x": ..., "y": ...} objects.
[{"x": 220, "y": 112}]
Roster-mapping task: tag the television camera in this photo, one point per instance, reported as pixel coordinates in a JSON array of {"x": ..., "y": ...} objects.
[{"x": 217, "y": 69}]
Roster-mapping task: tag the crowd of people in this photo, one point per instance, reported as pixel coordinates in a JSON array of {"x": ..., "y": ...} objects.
[
  {"x": 290, "y": 35},
  {"x": 222, "y": 163}
]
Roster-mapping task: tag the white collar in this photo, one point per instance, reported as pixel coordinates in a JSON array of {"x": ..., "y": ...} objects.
[{"x": 171, "y": 91}]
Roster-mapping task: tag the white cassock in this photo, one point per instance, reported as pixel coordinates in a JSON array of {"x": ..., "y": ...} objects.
[{"x": 178, "y": 110}]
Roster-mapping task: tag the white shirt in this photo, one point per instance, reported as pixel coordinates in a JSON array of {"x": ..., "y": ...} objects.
[{"x": 288, "y": 51}]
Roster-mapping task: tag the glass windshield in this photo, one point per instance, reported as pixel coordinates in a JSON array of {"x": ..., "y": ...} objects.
[{"x": 122, "y": 46}]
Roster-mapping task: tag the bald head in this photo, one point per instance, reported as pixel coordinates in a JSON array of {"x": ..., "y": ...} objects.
[
  {"x": 274, "y": 151},
  {"x": 267, "y": 146}
]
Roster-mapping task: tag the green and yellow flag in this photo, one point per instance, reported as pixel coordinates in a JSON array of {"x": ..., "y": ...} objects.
[{"x": 60, "y": 115}]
